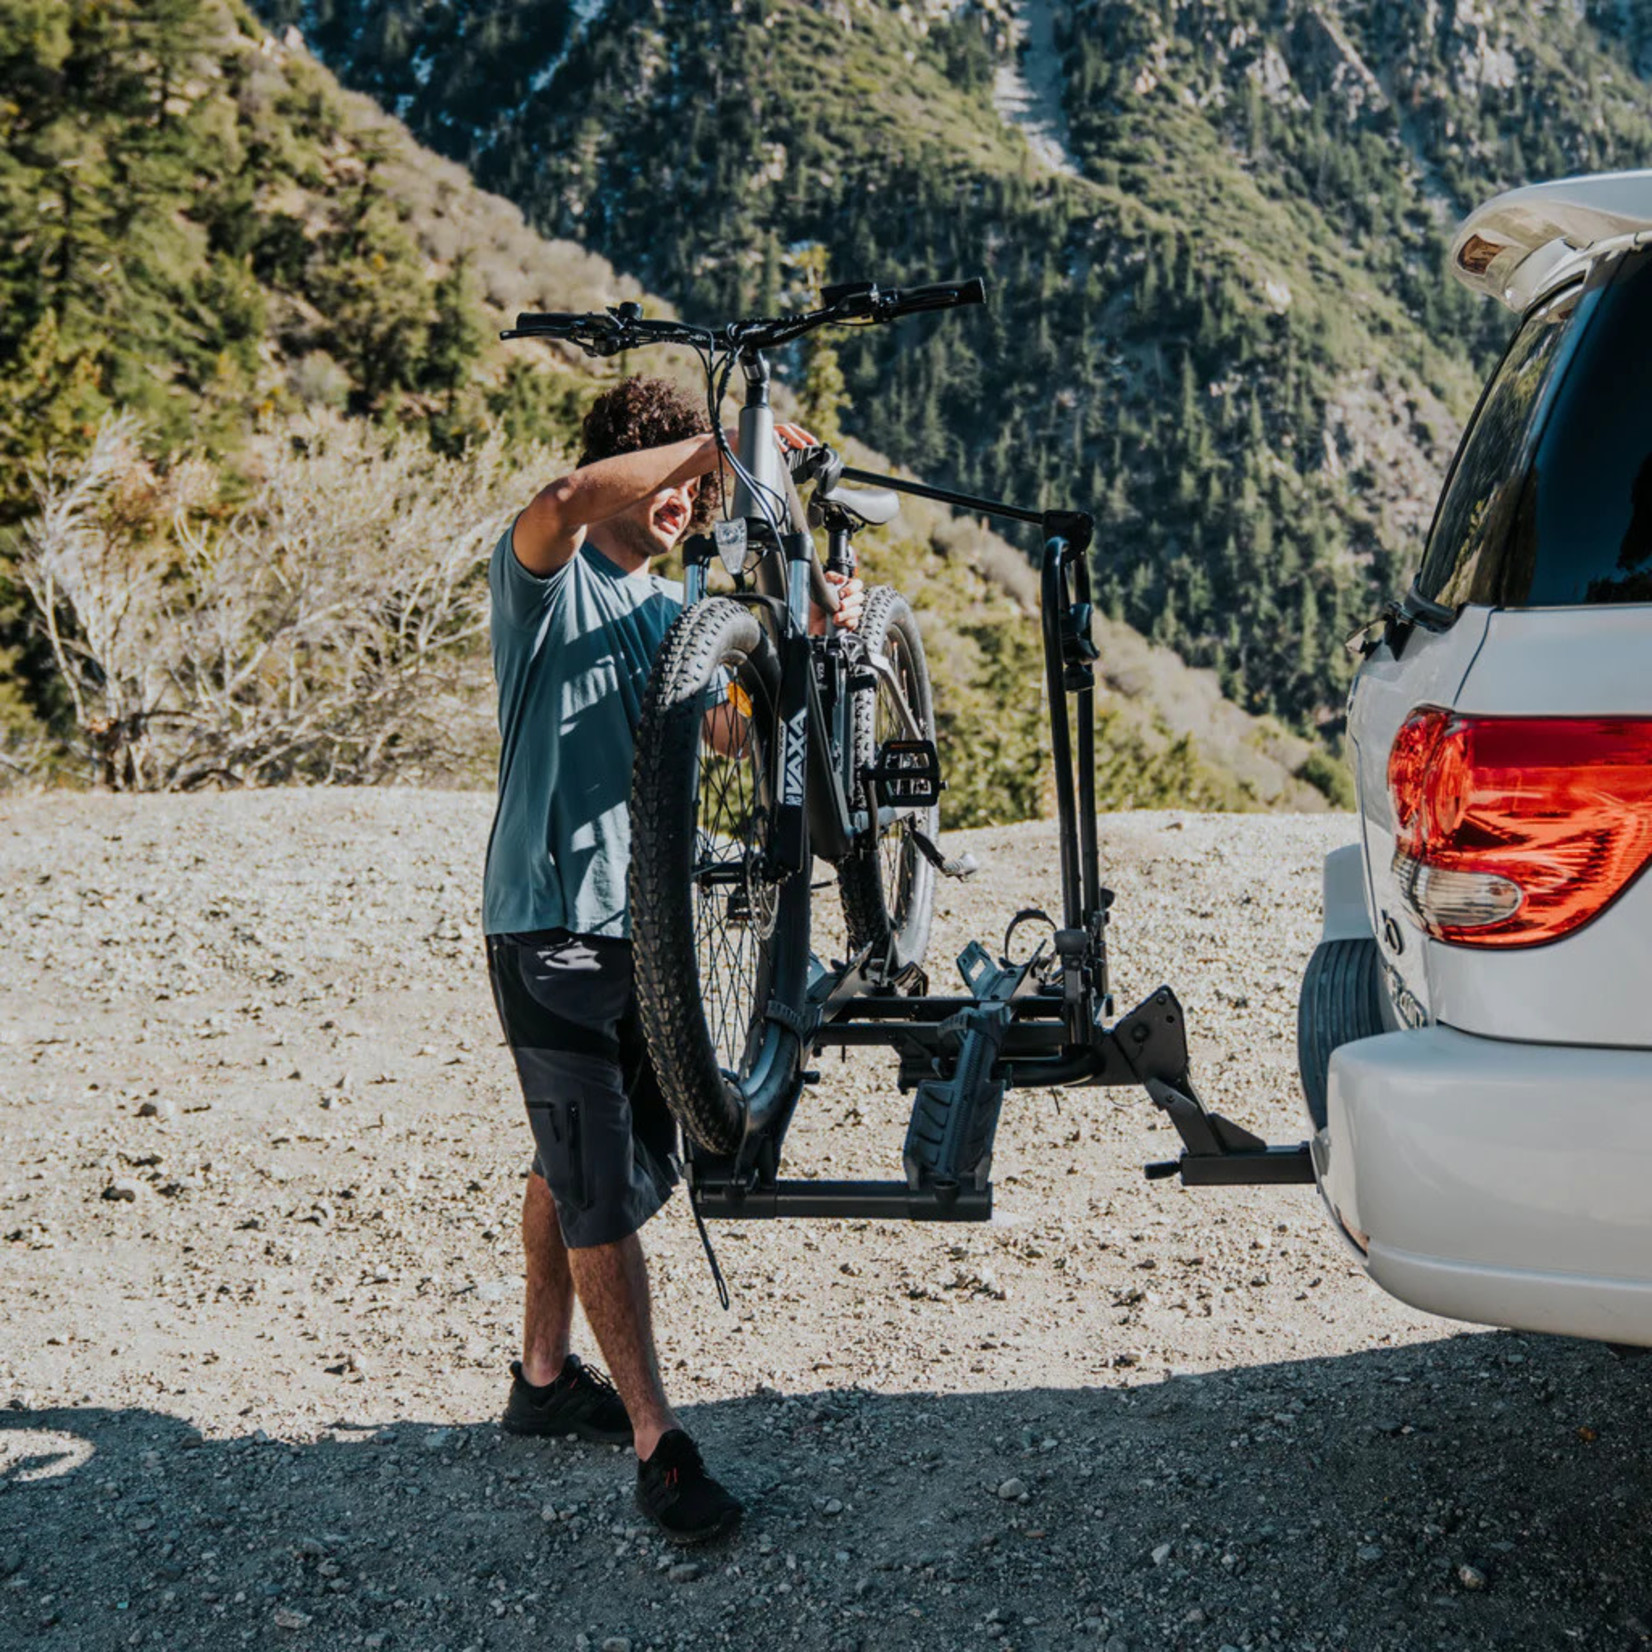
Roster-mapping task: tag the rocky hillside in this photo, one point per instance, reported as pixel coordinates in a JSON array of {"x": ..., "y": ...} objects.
[{"x": 1214, "y": 230}]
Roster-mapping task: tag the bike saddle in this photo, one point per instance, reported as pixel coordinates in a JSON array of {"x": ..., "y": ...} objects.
[
  {"x": 869, "y": 507},
  {"x": 864, "y": 507}
]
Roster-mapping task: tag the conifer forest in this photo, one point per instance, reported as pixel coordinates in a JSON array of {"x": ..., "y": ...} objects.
[{"x": 1220, "y": 317}]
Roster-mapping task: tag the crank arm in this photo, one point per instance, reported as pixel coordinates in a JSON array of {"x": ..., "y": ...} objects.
[{"x": 965, "y": 866}]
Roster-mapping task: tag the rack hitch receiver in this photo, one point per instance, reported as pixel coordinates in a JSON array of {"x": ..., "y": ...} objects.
[{"x": 1216, "y": 1152}]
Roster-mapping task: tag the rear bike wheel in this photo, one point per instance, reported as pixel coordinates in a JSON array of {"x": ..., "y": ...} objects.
[
  {"x": 888, "y": 883},
  {"x": 720, "y": 946}
]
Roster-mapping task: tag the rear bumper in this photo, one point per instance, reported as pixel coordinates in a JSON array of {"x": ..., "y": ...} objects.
[{"x": 1503, "y": 1183}]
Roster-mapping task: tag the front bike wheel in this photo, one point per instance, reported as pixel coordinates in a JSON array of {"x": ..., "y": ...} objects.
[
  {"x": 720, "y": 945},
  {"x": 887, "y": 883}
]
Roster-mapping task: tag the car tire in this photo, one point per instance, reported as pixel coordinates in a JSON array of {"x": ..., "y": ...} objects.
[{"x": 1341, "y": 1000}]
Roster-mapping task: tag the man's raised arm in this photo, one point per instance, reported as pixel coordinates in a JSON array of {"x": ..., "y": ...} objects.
[{"x": 553, "y": 526}]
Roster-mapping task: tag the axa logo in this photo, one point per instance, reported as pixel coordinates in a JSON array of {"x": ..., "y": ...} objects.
[{"x": 791, "y": 775}]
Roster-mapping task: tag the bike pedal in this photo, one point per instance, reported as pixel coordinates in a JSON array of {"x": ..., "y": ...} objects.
[{"x": 907, "y": 774}]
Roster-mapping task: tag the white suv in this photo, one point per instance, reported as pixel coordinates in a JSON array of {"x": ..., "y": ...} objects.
[{"x": 1475, "y": 1029}]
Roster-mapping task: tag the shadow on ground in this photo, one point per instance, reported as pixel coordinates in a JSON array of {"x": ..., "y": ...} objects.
[{"x": 1482, "y": 1490}]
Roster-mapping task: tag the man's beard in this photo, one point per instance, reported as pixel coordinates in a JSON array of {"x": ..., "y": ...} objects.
[{"x": 630, "y": 535}]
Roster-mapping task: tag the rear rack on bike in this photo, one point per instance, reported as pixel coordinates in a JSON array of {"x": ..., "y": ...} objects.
[{"x": 1040, "y": 1023}]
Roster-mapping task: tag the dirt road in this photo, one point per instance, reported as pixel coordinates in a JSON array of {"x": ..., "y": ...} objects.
[{"x": 260, "y": 1162}]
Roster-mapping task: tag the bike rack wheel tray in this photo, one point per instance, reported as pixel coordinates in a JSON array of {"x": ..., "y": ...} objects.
[{"x": 1040, "y": 1023}]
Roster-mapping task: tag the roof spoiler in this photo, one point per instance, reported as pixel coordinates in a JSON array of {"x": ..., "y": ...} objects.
[{"x": 1523, "y": 244}]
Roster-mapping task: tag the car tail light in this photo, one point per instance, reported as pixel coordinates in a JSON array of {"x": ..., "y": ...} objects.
[{"x": 1510, "y": 831}]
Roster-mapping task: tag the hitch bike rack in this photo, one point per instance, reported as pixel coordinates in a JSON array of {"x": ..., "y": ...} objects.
[{"x": 1042, "y": 1022}]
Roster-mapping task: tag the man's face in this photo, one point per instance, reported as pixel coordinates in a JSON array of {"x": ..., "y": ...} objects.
[{"x": 652, "y": 526}]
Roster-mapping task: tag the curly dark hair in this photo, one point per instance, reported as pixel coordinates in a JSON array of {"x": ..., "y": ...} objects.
[{"x": 642, "y": 412}]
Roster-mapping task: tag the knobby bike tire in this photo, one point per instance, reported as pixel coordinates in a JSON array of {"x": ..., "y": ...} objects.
[
  {"x": 888, "y": 887},
  {"x": 675, "y": 904}
]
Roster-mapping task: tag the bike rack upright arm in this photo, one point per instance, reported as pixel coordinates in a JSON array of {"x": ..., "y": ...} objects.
[
  {"x": 1095, "y": 901},
  {"x": 1069, "y": 652},
  {"x": 1061, "y": 741}
]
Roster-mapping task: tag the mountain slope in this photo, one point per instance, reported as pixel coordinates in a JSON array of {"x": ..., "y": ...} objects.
[
  {"x": 295, "y": 303},
  {"x": 198, "y": 225},
  {"x": 1231, "y": 334},
  {"x": 200, "y": 228}
]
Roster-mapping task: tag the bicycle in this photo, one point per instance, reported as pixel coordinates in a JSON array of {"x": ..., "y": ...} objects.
[{"x": 762, "y": 746}]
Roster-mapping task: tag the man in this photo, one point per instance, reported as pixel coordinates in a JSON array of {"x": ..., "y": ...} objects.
[{"x": 577, "y": 621}]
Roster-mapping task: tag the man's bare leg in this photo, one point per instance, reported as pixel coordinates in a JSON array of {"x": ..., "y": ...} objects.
[
  {"x": 612, "y": 1281},
  {"x": 548, "y": 1313}
]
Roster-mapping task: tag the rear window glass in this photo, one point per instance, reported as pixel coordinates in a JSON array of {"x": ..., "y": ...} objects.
[
  {"x": 1465, "y": 559},
  {"x": 1550, "y": 502},
  {"x": 1583, "y": 533}
]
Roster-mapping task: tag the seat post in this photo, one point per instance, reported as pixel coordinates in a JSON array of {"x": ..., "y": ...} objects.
[{"x": 840, "y": 551}]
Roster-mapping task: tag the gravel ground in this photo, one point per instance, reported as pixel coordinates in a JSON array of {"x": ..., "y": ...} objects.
[{"x": 259, "y": 1181}]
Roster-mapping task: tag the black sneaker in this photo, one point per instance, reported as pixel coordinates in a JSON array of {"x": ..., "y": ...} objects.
[
  {"x": 676, "y": 1493},
  {"x": 581, "y": 1401}
]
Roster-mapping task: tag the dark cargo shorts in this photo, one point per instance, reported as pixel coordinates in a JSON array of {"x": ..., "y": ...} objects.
[{"x": 605, "y": 1141}]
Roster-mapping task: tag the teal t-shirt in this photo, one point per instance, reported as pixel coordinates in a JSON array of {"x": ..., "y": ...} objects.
[{"x": 571, "y": 656}]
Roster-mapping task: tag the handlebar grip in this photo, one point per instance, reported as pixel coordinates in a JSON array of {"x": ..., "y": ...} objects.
[
  {"x": 549, "y": 321},
  {"x": 938, "y": 295}
]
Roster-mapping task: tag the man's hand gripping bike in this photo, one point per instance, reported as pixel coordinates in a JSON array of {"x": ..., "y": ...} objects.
[{"x": 763, "y": 746}]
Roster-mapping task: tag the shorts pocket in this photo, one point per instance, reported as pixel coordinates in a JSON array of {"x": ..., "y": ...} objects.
[
  {"x": 558, "y": 1133},
  {"x": 578, "y": 1181}
]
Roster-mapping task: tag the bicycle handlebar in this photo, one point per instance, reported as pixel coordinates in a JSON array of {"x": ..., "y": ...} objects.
[
  {"x": 623, "y": 327},
  {"x": 865, "y": 299},
  {"x": 607, "y": 332}
]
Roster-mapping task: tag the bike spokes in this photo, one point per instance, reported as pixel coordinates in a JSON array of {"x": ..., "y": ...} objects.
[
  {"x": 735, "y": 903},
  {"x": 897, "y": 854}
]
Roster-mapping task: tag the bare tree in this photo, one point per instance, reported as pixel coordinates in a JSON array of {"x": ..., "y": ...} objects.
[
  {"x": 95, "y": 597},
  {"x": 330, "y": 630}
]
